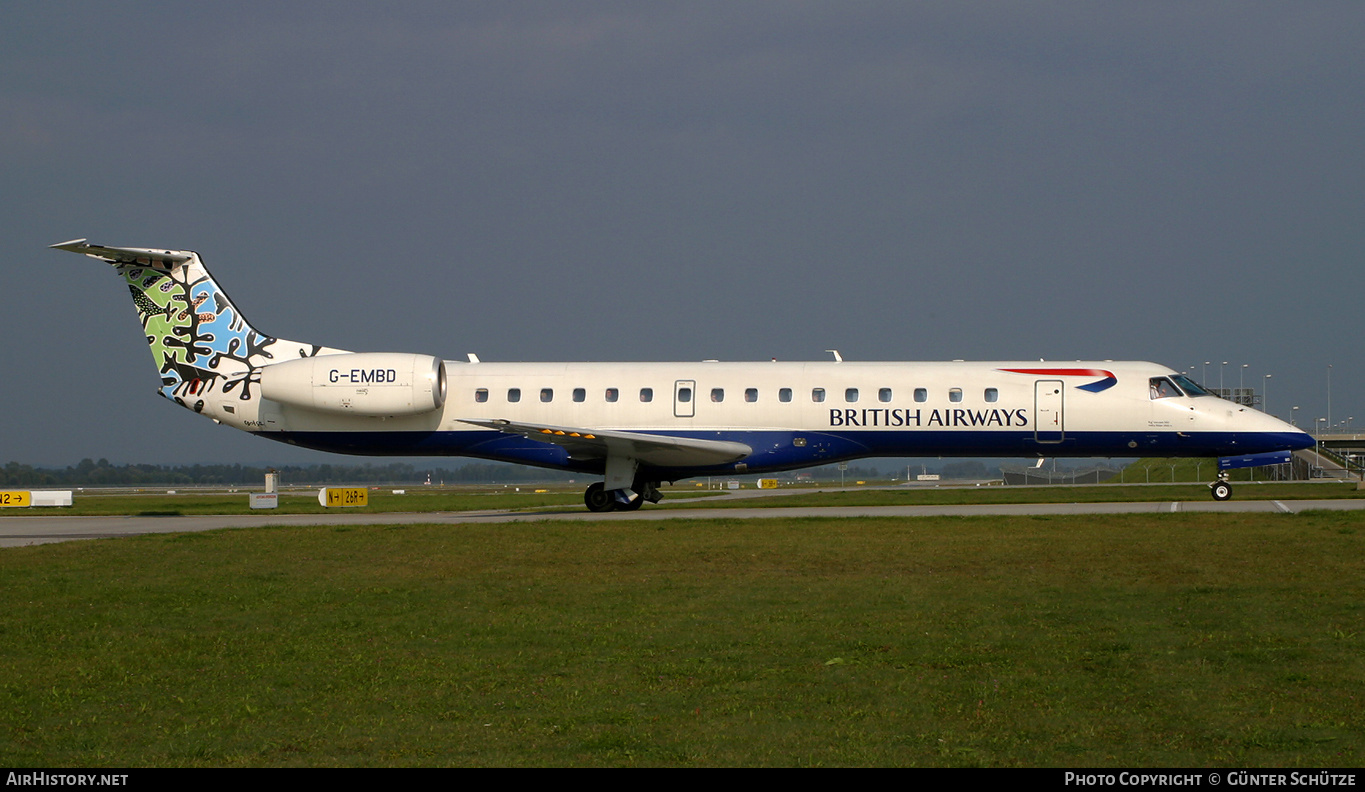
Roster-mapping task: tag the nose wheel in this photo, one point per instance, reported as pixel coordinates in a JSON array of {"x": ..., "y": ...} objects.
[{"x": 1221, "y": 490}]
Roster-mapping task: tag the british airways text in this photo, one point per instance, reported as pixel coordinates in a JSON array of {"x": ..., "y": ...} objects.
[{"x": 915, "y": 418}]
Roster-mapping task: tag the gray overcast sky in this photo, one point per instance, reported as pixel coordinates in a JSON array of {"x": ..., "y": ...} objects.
[{"x": 1176, "y": 182}]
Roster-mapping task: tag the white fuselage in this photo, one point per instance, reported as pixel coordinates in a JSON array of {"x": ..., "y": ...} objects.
[{"x": 801, "y": 413}]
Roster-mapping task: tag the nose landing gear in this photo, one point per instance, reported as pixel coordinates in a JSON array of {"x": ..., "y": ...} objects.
[{"x": 1221, "y": 490}]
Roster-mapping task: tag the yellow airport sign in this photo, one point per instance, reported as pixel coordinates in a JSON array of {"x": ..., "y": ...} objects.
[
  {"x": 16, "y": 499},
  {"x": 344, "y": 496}
]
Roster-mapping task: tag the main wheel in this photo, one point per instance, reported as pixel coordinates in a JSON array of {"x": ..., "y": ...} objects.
[
  {"x": 598, "y": 499},
  {"x": 1221, "y": 490},
  {"x": 631, "y": 505}
]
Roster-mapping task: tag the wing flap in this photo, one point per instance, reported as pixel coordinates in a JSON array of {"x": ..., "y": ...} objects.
[{"x": 649, "y": 449}]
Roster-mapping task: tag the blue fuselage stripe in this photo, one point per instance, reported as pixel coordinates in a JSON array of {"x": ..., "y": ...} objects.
[{"x": 786, "y": 450}]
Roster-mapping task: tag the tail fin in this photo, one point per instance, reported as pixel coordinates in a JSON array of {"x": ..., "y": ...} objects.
[{"x": 200, "y": 341}]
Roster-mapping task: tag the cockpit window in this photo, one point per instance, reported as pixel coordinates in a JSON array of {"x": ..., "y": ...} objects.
[
  {"x": 1189, "y": 386},
  {"x": 1162, "y": 388}
]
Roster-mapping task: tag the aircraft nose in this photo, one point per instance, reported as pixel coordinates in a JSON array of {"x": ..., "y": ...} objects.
[
  {"x": 1286, "y": 435},
  {"x": 1292, "y": 437}
]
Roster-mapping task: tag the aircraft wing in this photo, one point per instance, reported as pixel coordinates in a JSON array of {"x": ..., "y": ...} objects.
[{"x": 649, "y": 449}]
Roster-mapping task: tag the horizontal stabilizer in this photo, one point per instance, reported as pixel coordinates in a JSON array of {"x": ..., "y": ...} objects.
[
  {"x": 147, "y": 257},
  {"x": 1253, "y": 460},
  {"x": 649, "y": 449}
]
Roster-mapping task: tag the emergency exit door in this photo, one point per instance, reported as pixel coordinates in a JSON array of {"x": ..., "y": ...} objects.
[
  {"x": 684, "y": 398},
  {"x": 1048, "y": 422}
]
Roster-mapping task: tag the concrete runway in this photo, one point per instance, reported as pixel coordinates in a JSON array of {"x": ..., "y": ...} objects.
[{"x": 30, "y": 530}]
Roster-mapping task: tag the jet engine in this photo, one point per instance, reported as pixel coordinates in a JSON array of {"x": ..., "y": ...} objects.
[{"x": 358, "y": 383}]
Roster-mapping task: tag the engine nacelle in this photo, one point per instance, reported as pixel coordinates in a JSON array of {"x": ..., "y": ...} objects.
[{"x": 359, "y": 383}]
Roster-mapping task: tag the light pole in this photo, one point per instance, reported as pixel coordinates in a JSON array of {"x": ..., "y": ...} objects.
[
  {"x": 1317, "y": 442},
  {"x": 1221, "y": 370},
  {"x": 1241, "y": 378},
  {"x": 1349, "y": 423},
  {"x": 1294, "y": 416},
  {"x": 1329, "y": 394},
  {"x": 1265, "y": 395}
]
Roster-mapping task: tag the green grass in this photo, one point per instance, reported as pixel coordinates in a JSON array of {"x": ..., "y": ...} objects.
[
  {"x": 382, "y": 500},
  {"x": 1172, "y": 640},
  {"x": 1082, "y": 493}
]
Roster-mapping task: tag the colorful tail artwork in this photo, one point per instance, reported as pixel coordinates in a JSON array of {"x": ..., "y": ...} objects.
[{"x": 202, "y": 345}]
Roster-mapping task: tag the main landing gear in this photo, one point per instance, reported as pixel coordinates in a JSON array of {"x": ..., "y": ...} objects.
[
  {"x": 600, "y": 499},
  {"x": 1221, "y": 490}
]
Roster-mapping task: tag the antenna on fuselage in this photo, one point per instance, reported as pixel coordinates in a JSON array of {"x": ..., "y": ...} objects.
[{"x": 838, "y": 358}]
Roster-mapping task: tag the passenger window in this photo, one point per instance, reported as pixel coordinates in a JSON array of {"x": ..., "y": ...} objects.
[
  {"x": 751, "y": 394},
  {"x": 921, "y": 394},
  {"x": 646, "y": 394},
  {"x": 850, "y": 395},
  {"x": 992, "y": 395},
  {"x": 514, "y": 394},
  {"x": 547, "y": 394},
  {"x": 954, "y": 394},
  {"x": 717, "y": 395},
  {"x": 784, "y": 395},
  {"x": 817, "y": 394},
  {"x": 481, "y": 395},
  {"x": 613, "y": 394},
  {"x": 884, "y": 395},
  {"x": 684, "y": 395},
  {"x": 579, "y": 394}
]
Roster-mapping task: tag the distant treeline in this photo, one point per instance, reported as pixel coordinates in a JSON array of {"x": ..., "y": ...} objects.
[{"x": 101, "y": 473}]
